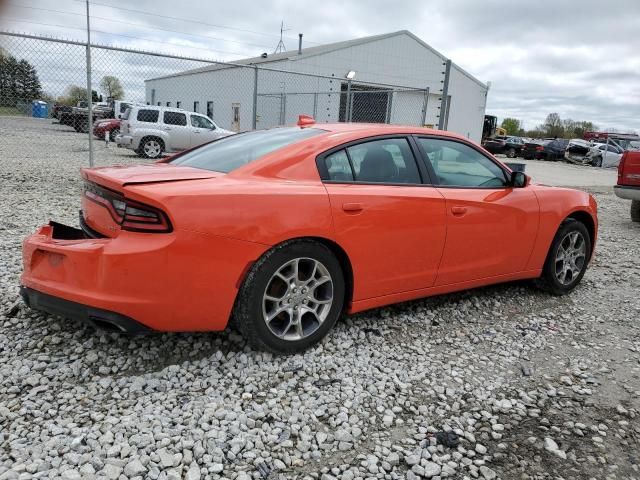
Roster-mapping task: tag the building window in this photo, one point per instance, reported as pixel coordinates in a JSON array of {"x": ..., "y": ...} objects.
[
  {"x": 196, "y": 107},
  {"x": 153, "y": 96},
  {"x": 178, "y": 104},
  {"x": 168, "y": 104},
  {"x": 159, "y": 104},
  {"x": 210, "y": 109}
]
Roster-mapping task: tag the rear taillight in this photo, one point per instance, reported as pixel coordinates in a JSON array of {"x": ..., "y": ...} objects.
[
  {"x": 129, "y": 214},
  {"x": 621, "y": 168},
  {"x": 539, "y": 148}
]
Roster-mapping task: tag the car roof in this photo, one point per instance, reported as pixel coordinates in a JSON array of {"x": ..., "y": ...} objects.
[{"x": 371, "y": 129}]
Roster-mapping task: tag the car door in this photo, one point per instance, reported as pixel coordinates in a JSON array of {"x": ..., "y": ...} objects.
[
  {"x": 491, "y": 226},
  {"x": 178, "y": 132},
  {"x": 203, "y": 130},
  {"x": 387, "y": 217}
]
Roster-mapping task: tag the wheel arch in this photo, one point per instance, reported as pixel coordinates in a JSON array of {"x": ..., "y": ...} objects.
[
  {"x": 335, "y": 248},
  {"x": 588, "y": 221}
]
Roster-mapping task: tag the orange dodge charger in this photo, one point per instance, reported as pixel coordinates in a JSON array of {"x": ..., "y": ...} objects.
[{"x": 283, "y": 230}]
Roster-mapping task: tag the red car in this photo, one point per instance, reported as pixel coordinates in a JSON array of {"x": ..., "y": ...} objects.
[
  {"x": 104, "y": 126},
  {"x": 285, "y": 229},
  {"x": 628, "y": 186}
]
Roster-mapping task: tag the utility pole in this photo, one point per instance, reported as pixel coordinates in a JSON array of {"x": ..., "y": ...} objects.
[{"x": 89, "y": 96}]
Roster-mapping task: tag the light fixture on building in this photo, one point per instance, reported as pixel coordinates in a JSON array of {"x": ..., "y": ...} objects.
[{"x": 351, "y": 75}]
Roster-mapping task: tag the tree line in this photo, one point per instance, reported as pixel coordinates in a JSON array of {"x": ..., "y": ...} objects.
[
  {"x": 19, "y": 82},
  {"x": 552, "y": 127}
]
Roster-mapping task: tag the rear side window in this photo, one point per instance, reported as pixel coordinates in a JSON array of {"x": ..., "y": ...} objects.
[
  {"x": 338, "y": 167},
  {"x": 149, "y": 116},
  {"x": 174, "y": 118},
  {"x": 388, "y": 160},
  {"x": 125, "y": 115},
  {"x": 228, "y": 153}
]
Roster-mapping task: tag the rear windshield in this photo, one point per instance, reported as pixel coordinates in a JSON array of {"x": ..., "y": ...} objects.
[{"x": 232, "y": 152}]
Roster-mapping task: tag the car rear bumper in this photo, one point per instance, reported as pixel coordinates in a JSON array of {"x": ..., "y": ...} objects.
[
  {"x": 627, "y": 192},
  {"x": 97, "y": 318},
  {"x": 126, "y": 141},
  {"x": 179, "y": 281}
]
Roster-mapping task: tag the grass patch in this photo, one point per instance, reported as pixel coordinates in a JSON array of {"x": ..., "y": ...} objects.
[{"x": 11, "y": 111}]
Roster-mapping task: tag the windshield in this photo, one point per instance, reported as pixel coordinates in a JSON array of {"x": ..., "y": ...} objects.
[{"x": 232, "y": 152}]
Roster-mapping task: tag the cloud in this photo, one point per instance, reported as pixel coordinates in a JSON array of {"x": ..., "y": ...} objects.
[{"x": 578, "y": 59}]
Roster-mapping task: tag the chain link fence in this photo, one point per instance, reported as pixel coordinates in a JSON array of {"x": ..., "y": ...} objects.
[{"x": 43, "y": 96}]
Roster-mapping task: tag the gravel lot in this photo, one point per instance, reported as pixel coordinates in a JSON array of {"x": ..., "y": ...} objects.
[{"x": 499, "y": 382}]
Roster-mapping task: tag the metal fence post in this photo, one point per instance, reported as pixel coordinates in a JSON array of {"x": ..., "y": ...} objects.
[
  {"x": 389, "y": 105},
  {"x": 445, "y": 94},
  {"x": 425, "y": 104},
  {"x": 255, "y": 98},
  {"x": 315, "y": 105},
  {"x": 89, "y": 96},
  {"x": 348, "y": 99}
]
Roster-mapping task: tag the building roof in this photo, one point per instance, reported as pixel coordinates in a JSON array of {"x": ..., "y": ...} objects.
[{"x": 314, "y": 51}]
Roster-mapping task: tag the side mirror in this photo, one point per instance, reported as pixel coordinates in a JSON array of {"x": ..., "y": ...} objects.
[{"x": 519, "y": 180}]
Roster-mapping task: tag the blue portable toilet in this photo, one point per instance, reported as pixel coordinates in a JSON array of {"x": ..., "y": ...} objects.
[{"x": 39, "y": 109}]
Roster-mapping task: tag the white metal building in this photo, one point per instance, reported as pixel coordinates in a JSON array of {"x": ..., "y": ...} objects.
[{"x": 394, "y": 75}]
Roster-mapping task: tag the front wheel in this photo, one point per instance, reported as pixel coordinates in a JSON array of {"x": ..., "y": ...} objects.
[
  {"x": 635, "y": 210},
  {"x": 567, "y": 259},
  {"x": 291, "y": 297},
  {"x": 597, "y": 161},
  {"x": 511, "y": 153}
]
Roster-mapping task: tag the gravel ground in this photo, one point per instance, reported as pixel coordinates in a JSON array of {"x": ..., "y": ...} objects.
[{"x": 499, "y": 382}]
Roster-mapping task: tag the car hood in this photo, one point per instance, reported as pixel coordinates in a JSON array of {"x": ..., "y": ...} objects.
[{"x": 117, "y": 177}]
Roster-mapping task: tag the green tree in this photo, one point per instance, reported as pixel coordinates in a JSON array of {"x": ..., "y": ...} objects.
[
  {"x": 112, "y": 87},
  {"x": 19, "y": 82},
  {"x": 511, "y": 125},
  {"x": 77, "y": 94}
]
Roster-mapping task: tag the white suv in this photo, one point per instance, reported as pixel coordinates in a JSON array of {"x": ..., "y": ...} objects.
[{"x": 151, "y": 130}]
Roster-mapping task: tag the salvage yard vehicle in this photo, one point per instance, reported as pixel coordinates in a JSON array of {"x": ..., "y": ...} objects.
[
  {"x": 628, "y": 186},
  {"x": 551, "y": 150},
  {"x": 606, "y": 155},
  {"x": 510, "y": 146},
  {"x": 151, "y": 131},
  {"x": 108, "y": 126},
  {"x": 283, "y": 230}
]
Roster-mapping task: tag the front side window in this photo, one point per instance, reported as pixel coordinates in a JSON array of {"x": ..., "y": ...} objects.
[
  {"x": 388, "y": 160},
  {"x": 202, "y": 122},
  {"x": 459, "y": 165},
  {"x": 175, "y": 118},
  {"x": 235, "y": 151},
  {"x": 149, "y": 116}
]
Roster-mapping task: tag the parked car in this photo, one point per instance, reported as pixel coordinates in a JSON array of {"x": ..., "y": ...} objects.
[
  {"x": 150, "y": 131},
  {"x": 628, "y": 186},
  {"x": 110, "y": 126},
  {"x": 607, "y": 156},
  {"x": 580, "y": 152},
  {"x": 287, "y": 228},
  {"x": 547, "y": 150},
  {"x": 510, "y": 146},
  {"x": 532, "y": 148},
  {"x": 58, "y": 111}
]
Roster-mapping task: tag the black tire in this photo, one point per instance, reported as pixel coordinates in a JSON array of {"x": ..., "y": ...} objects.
[
  {"x": 147, "y": 153},
  {"x": 548, "y": 281},
  {"x": 113, "y": 134},
  {"x": 511, "y": 153},
  {"x": 635, "y": 210},
  {"x": 597, "y": 161},
  {"x": 248, "y": 310}
]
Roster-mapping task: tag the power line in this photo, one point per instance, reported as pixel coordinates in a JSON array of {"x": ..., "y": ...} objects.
[
  {"x": 141, "y": 25},
  {"x": 125, "y": 36},
  {"x": 190, "y": 20}
]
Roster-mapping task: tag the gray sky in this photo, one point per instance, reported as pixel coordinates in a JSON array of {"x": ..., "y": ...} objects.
[{"x": 580, "y": 59}]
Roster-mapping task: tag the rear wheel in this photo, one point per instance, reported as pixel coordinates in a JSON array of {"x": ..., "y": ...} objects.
[
  {"x": 291, "y": 297},
  {"x": 567, "y": 259},
  {"x": 511, "y": 153},
  {"x": 151, "y": 148},
  {"x": 597, "y": 161},
  {"x": 635, "y": 210}
]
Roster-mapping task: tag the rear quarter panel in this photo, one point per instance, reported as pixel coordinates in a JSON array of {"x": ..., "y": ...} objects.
[{"x": 556, "y": 204}]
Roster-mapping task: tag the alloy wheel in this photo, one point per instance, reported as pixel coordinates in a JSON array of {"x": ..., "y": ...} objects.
[
  {"x": 297, "y": 299},
  {"x": 570, "y": 257}
]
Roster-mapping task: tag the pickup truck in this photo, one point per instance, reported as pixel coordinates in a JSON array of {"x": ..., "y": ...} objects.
[
  {"x": 628, "y": 186},
  {"x": 79, "y": 116}
]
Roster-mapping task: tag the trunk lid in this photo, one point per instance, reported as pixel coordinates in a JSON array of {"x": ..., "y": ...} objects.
[
  {"x": 629, "y": 169},
  {"x": 118, "y": 177}
]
